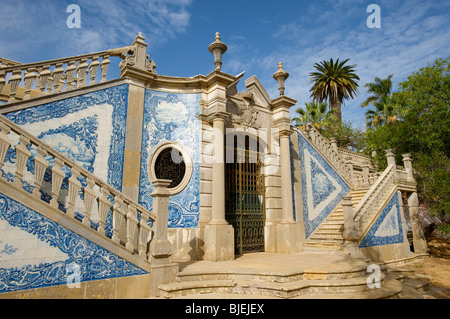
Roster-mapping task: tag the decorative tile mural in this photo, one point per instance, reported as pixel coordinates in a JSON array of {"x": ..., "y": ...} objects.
[
  {"x": 322, "y": 187},
  {"x": 387, "y": 229},
  {"x": 89, "y": 129},
  {"x": 36, "y": 252},
  {"x": 170, "y": 117}
]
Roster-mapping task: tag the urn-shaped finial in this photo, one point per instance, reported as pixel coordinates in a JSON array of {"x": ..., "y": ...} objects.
[
  {"x": 280, "y": 76},
  {"x": 217, "y": 48}
]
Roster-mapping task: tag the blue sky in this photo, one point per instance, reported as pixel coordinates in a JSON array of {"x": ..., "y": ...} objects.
[{"x": 258, "y": 34}]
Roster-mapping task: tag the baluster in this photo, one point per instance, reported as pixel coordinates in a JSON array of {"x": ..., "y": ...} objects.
[
  {"x": 104, "y": 66},
  {"x": 74, "y": 188},
  {"x": 57, "y": 179},
  {"x": 81, "y": 73},
  {"x": 118, "y": 218},
  {"x": 29, "y": 78},
  {"x": 43, "y": 78},
  {"x": 89, "y": 196},
  {"x": 144, "y": 232},
  {"x": 40, "y": 166},
  {"x": 103, "y": 208},
  {"x": 50, "y": 82},
  {"x": 57, "y": 75},
  {"x": 22, "y": 155},
  {"x": 5, "y": 143},
  {"x": 2, "y": 80},
  {"x": 93, "y": 68},
  {"x": 132, "y": 223},
  {"x": 13, "y": 84},
  {"x": 69, "y": 75}
]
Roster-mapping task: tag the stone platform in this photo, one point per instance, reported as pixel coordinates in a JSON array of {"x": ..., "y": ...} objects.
[{"x": 267, "y": 275}]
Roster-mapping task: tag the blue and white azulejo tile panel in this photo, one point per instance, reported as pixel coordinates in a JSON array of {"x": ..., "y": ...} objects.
[
  {"x": 89, "y": 129},
  {"x": 36, "y": 252},
  {"x": 172, "y": 117},
  {"x": 322, "y": 187},
  {"x": 387, "y": 229}
]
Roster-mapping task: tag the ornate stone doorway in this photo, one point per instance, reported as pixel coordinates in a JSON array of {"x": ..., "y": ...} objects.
[{"x": 244, "y": 194}]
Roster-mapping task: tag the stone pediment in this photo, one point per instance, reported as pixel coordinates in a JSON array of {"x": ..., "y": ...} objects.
[{"x": 260, "y": 95}]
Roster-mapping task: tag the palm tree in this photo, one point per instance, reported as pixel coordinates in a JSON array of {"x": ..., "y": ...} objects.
[
  {"x": 334, "y": 81},
  {"x": 379, "y": 89},
  {"x": 315, "y": 113},
  {"x": 388, "y": 105},
  {"x": 386, "y": 112}
]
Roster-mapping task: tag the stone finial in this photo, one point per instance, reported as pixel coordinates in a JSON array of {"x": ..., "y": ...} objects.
[
  {"x": 280, "y": 76},
  {"x": 217, "y": 48}
]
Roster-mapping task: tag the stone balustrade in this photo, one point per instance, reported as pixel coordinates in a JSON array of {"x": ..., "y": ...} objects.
[
  {"x": 56, "y": 76},
  {"x": 132, "y": 224},
  {"x": 329, "y": 152},
  {"x": 375, "y": 197}
]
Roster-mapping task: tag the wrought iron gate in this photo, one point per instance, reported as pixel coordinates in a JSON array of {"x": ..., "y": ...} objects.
[{"x": 245, "y": 200}]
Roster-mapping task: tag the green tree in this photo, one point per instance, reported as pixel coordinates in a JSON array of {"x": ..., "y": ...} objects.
[
  {"x": 424, "y": 132},
  {"x": 334, "y": 81},
  {"x": 378, "y": 90},
  {"x": 313, "y": 113}
]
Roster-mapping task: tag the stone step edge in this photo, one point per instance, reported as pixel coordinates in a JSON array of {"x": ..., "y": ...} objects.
[{"x": 276, "y": 289}]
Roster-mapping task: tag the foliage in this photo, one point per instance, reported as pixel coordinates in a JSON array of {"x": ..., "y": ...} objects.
[
  {"x": 315, "y": 114},
  {"x": 334, "y": 81},
  {"x": 345, "y": 134},
  {"x": 423, "y": 105}
]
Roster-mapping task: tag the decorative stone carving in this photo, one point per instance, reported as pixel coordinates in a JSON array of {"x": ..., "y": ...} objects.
[{"x": 249, "y": 116}]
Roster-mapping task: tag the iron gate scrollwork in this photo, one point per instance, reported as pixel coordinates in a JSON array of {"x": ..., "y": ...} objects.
[{"x": 245, "y": 200}]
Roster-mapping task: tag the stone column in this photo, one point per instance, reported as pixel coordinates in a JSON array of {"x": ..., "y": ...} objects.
[
  {"x": 219, "y": 235},
  {"x": 350, "y": 233},
  {"x": 408, "y": 166},
  {"x": 286, "y": 181},
  {"x": 365, "y": 171},
  {"x": 349, "y": 162},
  {"x": 160, "y": 247},
  {"x": 162, "y": 270},
  {"x": 419, "y": 241},
  {"x": 287, "y": 231}
]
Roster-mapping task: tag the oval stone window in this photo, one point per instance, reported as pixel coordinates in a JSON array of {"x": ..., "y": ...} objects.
[{"x": 170, "y": 165}]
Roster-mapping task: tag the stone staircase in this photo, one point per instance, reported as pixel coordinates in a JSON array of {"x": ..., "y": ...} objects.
[
  {"x": 328, "y": 235},
  {"x": 342, "y": 278}
]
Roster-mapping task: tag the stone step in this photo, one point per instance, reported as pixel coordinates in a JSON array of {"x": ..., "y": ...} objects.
[
  {"x": 292, "y": 289},
  {"x": 327, "y": 236},
  {"x": 324, "y": 244}
]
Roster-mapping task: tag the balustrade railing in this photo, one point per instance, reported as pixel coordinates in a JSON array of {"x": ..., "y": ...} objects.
[
  {"x": 56, "y": 76},
  {"x": 375, "y": 197},
  {"x": 31, "y": 165},
  {"x": 329, "y": 152}
]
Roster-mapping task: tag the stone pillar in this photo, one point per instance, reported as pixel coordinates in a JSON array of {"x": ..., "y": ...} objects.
[
  {"x": 365, "y": 171},
  {"x": 218, "y": 234},
  {"x": 408, "y": 166},
  {"x": 350, "y": 233},
  {"x": 391, "y": 160},
  {"x": 286, "y": 178},
  {"x": 160, "y": 247},
  {"x": 419, "y": 241},
  {"x": 287, "y": 231},
  {"x": 349, "y": 162},
  {"x": 162, "y": 270}
]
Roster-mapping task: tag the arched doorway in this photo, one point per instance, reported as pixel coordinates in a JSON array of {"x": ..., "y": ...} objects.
[{"x": 244, "y": 193}]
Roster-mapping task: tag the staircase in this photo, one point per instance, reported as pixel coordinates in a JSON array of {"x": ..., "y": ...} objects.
[
  {"x": 328, "y": 235},
  {"x": 297, "y": 276}
]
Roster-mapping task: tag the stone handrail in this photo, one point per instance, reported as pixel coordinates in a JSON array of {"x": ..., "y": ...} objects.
[
  {"x": 371, "y": 203},
  {"x": 5, "y": 62},
  {"x": 130, "y": 221},
  {"x": 56, "y": 76},
  {"x": 329, "y": 152},
  {"x": 361, "y": 181}
]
